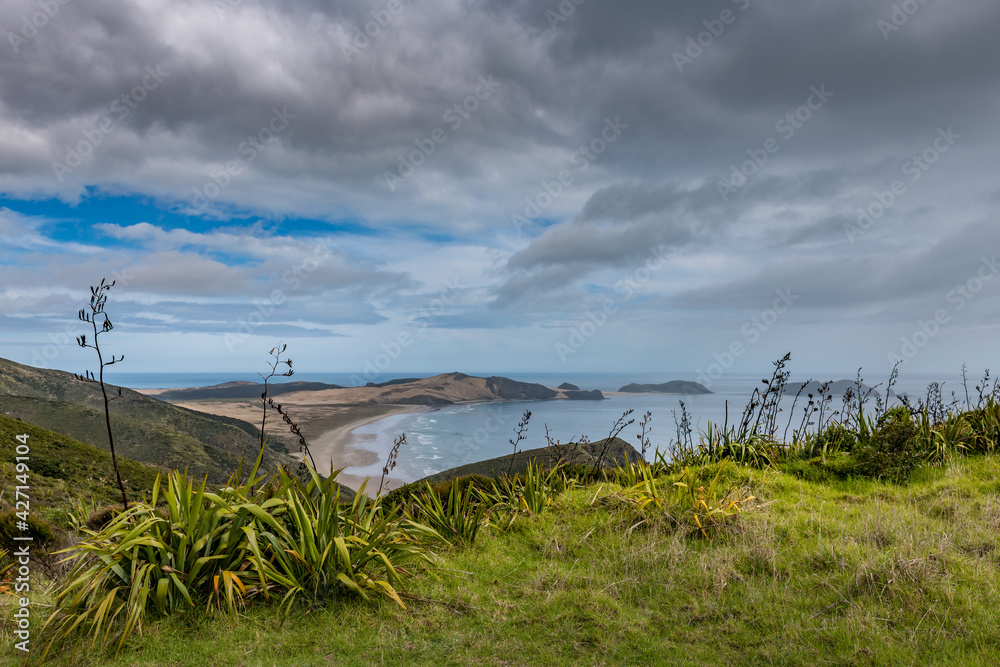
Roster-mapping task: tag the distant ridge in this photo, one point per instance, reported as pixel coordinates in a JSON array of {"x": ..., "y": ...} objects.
[
  {"x": 672, "y": 387},
  {"x": 146, "y": 429},
  {"x": 444, "y": 389},
  {"x": 241, "y": 389}
]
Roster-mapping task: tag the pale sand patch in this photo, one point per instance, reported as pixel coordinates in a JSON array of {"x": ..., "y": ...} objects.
[
  {"x": 354, "y": 483},
  {"x": 339, "y": 446},
  {"x": 329, "y": 430}
]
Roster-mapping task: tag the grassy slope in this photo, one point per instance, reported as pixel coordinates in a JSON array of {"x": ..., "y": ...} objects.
[
  {"x": 848, "y": 573},
  {"x": 145, "y": 429},
  {"x": 617, "y": 452},
  {"x": 72, "y": 470},
  {"x": 137, "y": 439}
]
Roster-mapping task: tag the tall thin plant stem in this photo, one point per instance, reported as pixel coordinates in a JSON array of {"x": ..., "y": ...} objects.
[{"x": 98, "y": 298}]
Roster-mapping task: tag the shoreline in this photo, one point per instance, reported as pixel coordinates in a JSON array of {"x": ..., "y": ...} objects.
[{"x": 339, "y": 447}]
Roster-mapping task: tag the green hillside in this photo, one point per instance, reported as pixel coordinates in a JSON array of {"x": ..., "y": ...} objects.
[
  {"x": 146, "y": 429},
  {"x": 64, "y": 470}
]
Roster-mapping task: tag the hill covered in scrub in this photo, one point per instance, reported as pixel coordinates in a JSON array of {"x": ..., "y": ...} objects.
[
  {"x": 64, "y": 470},
  {"x": 146, "y": 429}
]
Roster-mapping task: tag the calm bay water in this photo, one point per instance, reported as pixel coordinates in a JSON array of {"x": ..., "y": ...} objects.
[{"x": 450, "y": 436}]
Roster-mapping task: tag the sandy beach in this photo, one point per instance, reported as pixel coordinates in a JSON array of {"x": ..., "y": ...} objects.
[
  {"x": 340, "y": 447},
  {"x": 328, "y": 429}
]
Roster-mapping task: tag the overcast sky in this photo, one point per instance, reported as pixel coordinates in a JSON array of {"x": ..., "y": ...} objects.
[{"x": 437, "y": 185}]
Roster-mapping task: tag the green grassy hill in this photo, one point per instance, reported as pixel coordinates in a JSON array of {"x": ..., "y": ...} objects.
[
  {"x": 146, "y": 429},
  {"x": 64, "y": 470}
]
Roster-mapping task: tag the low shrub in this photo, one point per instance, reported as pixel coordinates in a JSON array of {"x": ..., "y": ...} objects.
[
  {"x": 457, "y": 519},
  {"x": 893, "y": 450},
  {"x": 11, "y": 526},
  {"x": 821, "y": 469},
  {"x": 686, "y": 501}
]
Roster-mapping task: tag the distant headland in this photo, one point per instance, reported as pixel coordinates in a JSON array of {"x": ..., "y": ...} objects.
[{"x": 672, "y": 387}]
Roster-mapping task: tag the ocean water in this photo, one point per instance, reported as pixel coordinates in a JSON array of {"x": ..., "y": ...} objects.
[{"x": 449, "y": 436}]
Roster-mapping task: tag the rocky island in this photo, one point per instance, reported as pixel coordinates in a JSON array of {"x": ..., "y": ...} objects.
[{"x": 672, "y": 387}]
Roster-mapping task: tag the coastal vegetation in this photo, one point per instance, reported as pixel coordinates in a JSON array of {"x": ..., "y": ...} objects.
[{"x": 860, "y": 534}]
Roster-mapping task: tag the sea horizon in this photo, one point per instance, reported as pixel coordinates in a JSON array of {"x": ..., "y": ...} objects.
[
  {"x": 445, "y": 437},
  {"x": 914, "y": 384}
]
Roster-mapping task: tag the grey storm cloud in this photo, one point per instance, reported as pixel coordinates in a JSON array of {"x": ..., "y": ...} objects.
[
  {"x": 430, "y": 125},
  {"x": 924, "y": 274},
  {"x": 354, "y": 116}
]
